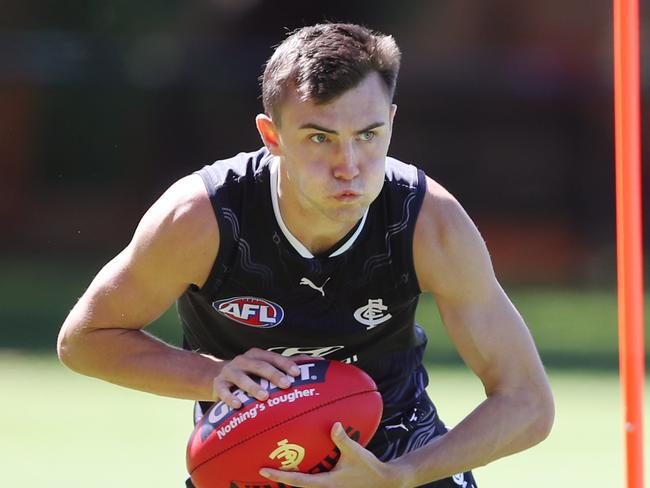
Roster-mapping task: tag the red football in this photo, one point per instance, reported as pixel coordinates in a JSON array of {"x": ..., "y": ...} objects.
[{"x": 289, "y": 431}]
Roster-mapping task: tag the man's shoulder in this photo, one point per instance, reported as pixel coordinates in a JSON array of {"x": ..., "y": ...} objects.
[
  {"x": 184, "y": 209},
  {"x": 399, "y": 173},
  {"x": 446, "y": 239},
  {"x": 438, "y": 202},
  {"x": 441, "y": 212},
  {"x": 177, "y": 234},
  {"x": 404, "y": 189},
  {"x": 244, "y": 166}
]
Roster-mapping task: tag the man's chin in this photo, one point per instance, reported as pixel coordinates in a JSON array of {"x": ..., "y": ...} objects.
[{"x": 347, "y": 215}]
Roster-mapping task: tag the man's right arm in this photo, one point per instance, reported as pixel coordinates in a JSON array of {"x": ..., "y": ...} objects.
[{"x": 174, "y": 246}]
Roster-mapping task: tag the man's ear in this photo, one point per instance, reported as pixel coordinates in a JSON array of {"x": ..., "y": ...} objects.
[
  {"x": 393, "y": 111},
  {"x": 269, "y": 133}
]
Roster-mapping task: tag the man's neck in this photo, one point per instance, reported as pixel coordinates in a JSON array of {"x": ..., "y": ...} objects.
[
  {"x": 315, "y": 231},
  {"x": 310, "y": 227}
]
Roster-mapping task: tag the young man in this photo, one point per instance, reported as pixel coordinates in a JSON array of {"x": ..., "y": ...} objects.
[{"x": 335, "y": 241}]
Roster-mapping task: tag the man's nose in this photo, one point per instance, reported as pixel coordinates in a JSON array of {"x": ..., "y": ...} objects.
[{"x": 347, "y": 163}]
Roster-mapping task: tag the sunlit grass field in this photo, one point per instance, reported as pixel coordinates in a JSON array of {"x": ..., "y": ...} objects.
[{"x": 59, "y": 429}]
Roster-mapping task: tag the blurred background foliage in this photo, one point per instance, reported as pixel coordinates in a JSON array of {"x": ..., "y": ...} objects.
[{"x": 508, "y": 104}]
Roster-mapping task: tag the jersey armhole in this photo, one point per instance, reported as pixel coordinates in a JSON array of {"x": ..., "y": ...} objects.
[
  {"x": 211, "y": 186},
  {"x": 417, "y": 206}
]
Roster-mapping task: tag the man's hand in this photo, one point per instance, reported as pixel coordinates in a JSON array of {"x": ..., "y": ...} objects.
[
  {"x": 257, "y": 362},
  {"x": 357, "y": 467}
]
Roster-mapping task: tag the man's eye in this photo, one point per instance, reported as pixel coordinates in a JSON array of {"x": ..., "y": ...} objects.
[
  {"x": 367, "y": 136},
  {"x": 318, "y": 138}
]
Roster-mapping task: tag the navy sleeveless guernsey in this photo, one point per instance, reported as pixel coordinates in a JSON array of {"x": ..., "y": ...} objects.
[{"x": 355, "y": 303}]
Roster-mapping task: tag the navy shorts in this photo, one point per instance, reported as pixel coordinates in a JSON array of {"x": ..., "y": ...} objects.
[{"x": 404, "y": 433}]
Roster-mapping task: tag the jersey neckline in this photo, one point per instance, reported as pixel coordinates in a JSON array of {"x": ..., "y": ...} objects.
[{"x": 295, "y": 243}]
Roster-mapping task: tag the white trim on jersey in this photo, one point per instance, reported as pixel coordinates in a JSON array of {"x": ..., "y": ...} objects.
[{"x": 297, "y": 245}]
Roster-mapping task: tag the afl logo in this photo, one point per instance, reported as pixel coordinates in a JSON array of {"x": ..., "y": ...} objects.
[{"x": 251, "y": 311}]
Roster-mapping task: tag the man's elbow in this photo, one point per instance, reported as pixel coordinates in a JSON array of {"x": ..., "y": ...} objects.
[
  {"x": 69, "y": 349},
  {"x": 544, "y": 416},
  {"x": 64, "y": 349}
]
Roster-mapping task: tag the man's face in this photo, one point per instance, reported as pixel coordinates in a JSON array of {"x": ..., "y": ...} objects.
[{"x": 333, "y": 155}]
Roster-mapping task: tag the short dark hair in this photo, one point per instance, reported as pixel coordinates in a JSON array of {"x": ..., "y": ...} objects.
[{"x": 323, "y": 61}]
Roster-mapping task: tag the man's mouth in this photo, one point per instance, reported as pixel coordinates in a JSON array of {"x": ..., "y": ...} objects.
[{"x": 347, "y": 196}]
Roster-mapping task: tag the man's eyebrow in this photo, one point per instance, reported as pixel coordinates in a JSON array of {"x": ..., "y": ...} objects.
[
  {"x": 319, "y": 128},
  {"x": 371, "y": 126}
]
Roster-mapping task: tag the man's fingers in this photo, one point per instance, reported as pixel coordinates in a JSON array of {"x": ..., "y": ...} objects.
[
  {"x": 273, "y": 367},
  {"x": 237, "y": 373},
  {"x": 293, "y": 478},
  {"x": 341, "y": 438},
  {"x": 221, "y": 391},
  {"x": 258, "y": 367},
  {"x": 283, "y": 363},
  {"x": 247, "y": 385}
]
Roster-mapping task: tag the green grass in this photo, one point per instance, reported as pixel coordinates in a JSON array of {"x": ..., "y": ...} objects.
[{"x": 60, "y": 429}]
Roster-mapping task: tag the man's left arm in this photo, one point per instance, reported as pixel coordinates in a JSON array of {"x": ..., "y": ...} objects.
[{"x": 453, "y": 264}]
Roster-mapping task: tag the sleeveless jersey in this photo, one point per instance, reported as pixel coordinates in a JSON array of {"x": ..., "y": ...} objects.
[{"x": 355, "y": 303}]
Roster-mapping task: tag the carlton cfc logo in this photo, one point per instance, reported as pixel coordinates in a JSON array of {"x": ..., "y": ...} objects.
[{"x": 251, "y": 311}]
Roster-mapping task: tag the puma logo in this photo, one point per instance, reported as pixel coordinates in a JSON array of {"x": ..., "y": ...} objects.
[{"x": 310, "y": 284}]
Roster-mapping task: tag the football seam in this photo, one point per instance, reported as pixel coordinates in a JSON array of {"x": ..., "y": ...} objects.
[{"x": 278, "y": 424}]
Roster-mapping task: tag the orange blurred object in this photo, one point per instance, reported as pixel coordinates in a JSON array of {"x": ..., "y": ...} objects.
[{"x": 629, "y": 231}]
